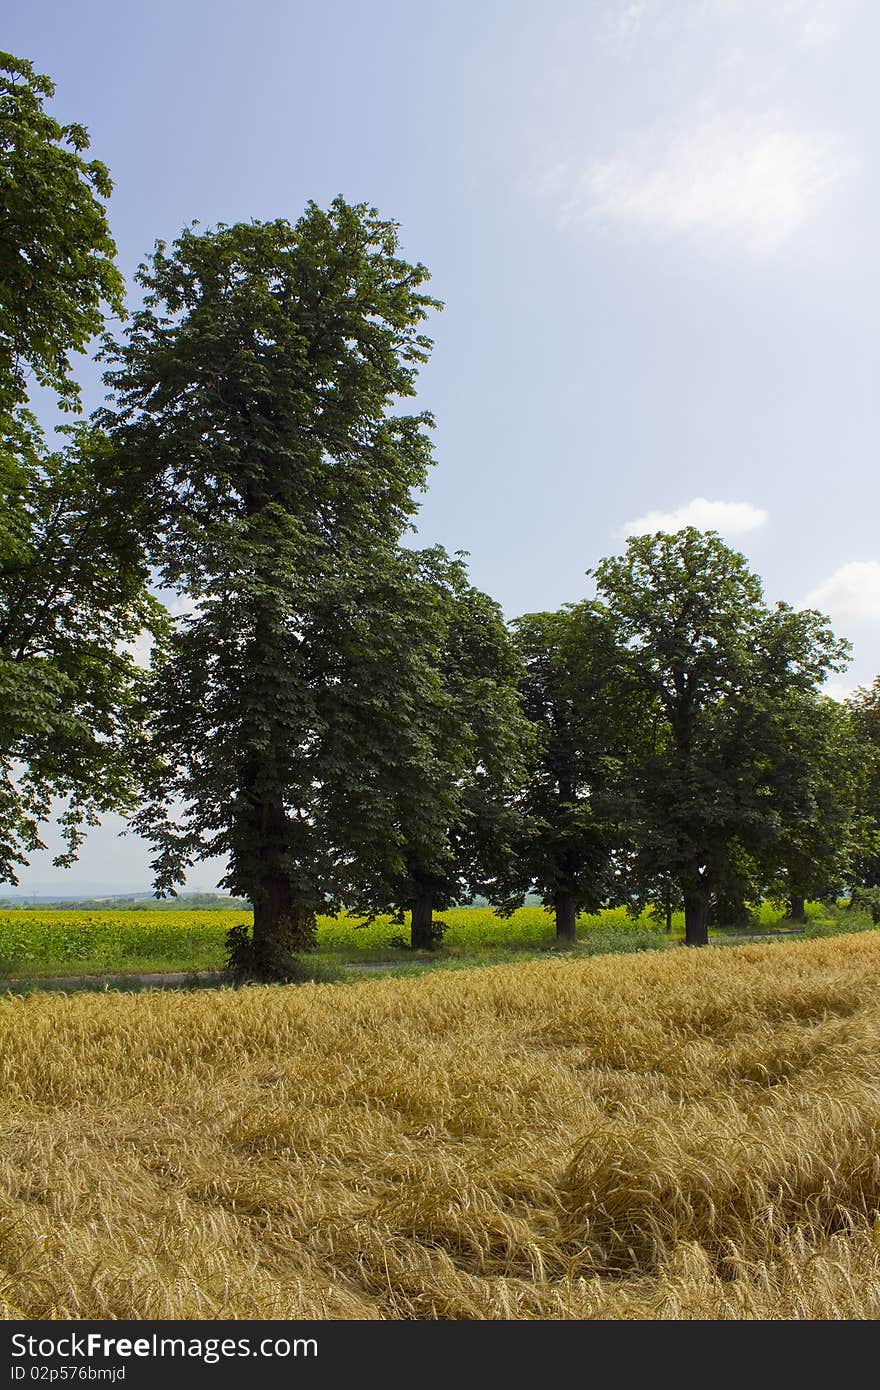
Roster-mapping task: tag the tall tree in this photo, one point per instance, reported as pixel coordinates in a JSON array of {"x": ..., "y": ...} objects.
[
  {"x": 814, "y": 771},
  {"x": 864, "y": 709},
  {"x": 73, "y": 598},
  {"x": 57, "y": 257},
  {"x": 72, "y": 574},
  {"x": 568, "y": 827},
  {"x": 254, "y": 400},
  {"x": 429, "y": 781},
  {"x": 700, "y": 640}
]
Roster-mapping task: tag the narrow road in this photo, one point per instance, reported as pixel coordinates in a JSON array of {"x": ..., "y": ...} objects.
[{"x": 170, "y": 979}]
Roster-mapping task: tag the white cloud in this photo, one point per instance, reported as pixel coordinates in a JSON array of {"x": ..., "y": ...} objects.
[
  {"x": 730, "y": 181},
  {"x": 139, "y": 649},
  {"x": 625, "y": 24},
  {"x": 728, "y": 518},
  {"x": 815, "y": 24},
  {"x": 852, "y": 591},
  {"x": 836, "y": 690},
  {"x": 178, "y": 606}
]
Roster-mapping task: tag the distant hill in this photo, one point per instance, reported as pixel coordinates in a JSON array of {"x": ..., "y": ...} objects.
[
  {"x": 184, "y": 902},
  {"x": 530, "y": 900},
  {"x": 133, "y": 902}
]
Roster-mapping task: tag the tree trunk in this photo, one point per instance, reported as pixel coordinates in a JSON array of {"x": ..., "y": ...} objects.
[
  {"x": 797, "y": 909},
  {"x": 566, "y": 916},
  {"x": 284, "y": 915},
  {"x": 668, "y": 914},
  {"x": 696, "y": 916},
  {"x": 283, "y": 923},
  {"x": 279, "y": 921},
  {"x": 421, "y": 931}
]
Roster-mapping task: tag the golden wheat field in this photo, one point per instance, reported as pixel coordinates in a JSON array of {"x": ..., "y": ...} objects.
[{"x": 692, "y": 1134}]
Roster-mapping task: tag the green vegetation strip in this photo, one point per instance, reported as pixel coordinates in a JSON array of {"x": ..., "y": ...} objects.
[
  {"x": 80, "y": 942},
  {"x": 40, "y": 943}
]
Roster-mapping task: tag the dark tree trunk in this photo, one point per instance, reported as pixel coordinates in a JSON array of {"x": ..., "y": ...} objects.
[
  {"x": 283, "y": 923},
  {"x": 280, "y": 921},
  {"x": 565, "y": 905},
  {"x": 668, "y": 914},
  {"x": 797, "y": 908},
  {"x": 421, "y": 931},
  {"x": 696, "y": 916},
  {"x": 284, "y": 915}
]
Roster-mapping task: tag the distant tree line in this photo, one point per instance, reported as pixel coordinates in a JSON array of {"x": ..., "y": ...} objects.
[
  {"x": 344, "y": 719},
  {"x": 132, "y": 902}
]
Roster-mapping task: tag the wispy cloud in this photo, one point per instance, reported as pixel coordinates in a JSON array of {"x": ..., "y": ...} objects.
[
  {"x": 813, "y": 24},
  {"x": 820, "y": 23},
  {"x": 728, "y": 518},
  {"x": 624, "y": 24},
  {"x": 836, "y": 690},
  {"x": 139, "y": 649},
  {"x": 851, "y": 592},
  {"x": 179, "y": 606},
  {"x": 730, "y": 181}
]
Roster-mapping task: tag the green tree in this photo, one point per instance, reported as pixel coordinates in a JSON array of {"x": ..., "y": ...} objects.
[
  {"x": 254, "y": 402},
  {"x": 813, "y": 775},
  {"x": 864, "y": 709},
  {"x": 57, "y": 258},
  {"x": 72, "y": 575},
  {"x": 568, "y": 827},
  {"x": 72, "y": 596},
  {"x": 445, "y": 747},
  {"x": 699, "y": 639}
]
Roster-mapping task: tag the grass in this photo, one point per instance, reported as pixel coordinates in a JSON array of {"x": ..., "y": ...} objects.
[
  {"x": 665, "y": 1135},
  {"x": 72, "y": 942}
]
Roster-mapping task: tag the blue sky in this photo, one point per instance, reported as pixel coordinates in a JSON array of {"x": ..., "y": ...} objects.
[{"x": 653, "y": 223}]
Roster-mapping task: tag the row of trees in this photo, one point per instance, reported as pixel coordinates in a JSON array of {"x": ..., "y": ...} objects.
[
  {"x": 687, "y": 757},
  {"x": 344, "y": 719}
]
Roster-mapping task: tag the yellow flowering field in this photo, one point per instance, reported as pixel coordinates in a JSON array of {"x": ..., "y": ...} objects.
[{"x": 32, "y": 940}]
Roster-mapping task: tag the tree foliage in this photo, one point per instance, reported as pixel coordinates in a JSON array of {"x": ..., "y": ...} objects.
[
  {"x": 814, "y": 772},
  {"x": 72, "y": 597},
  {"x": 255, "y": 396},
  {"x": 697, "y": 637},
  {"x": 445, "y": 748},
  {"x": 72, "y": 574},
  {"x": 567, "y": 828},
  {"x": 57, "y": 257},
  {"x": 864, "y": 709}
]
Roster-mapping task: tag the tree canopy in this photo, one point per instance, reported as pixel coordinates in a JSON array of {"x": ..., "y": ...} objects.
[
  {"x": 73, "y": 593},
  {"x": 567, "y": 829},
  {"x": 73, "y": 598},
  {"x": 697, "y": 637},
  {"x": 57, "y": 257},
  {"x": 254, "y": 400},
  {"x": 430, "y": 777},
  {"x": 864, "y": 709}
]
